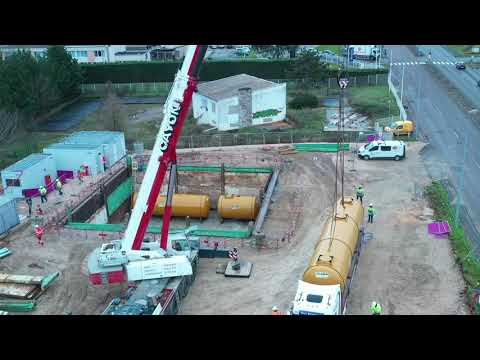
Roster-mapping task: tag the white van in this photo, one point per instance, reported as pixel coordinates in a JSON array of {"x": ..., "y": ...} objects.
[{"x": 383, "y": 150}]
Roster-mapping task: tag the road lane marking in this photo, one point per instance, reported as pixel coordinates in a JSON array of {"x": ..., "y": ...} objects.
[
  {"x": 422, "y": 63},
  {"x": 456, "y": 134},
  {"x": 476, "y": 163}
]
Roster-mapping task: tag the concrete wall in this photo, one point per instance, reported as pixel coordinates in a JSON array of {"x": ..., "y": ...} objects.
[{"x": 31, "y": 178}]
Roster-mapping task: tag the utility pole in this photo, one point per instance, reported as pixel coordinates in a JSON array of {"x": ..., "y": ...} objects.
[
  {"x": 417, "y": 110},
  {"x": 401, "y": 91},
  {"x": 462, "y": 176}
]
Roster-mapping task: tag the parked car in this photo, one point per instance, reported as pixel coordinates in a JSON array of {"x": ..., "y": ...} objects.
[
  {"x": 460, "y": 65},
  {"x": 380, "y": 149}
]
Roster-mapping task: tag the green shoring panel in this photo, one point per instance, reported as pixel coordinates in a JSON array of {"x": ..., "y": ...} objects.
[
  {"x": 327, "y": 147},
  {"x": 121, "y": 193},
  {"x": 158, "y": 230}
]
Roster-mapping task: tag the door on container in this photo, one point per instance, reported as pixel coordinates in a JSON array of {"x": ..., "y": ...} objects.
[{"x": 48, "y": 180}]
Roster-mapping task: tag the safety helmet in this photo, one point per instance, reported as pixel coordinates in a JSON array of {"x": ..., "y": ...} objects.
[
  {"x": 37, "y": 226},
  {"x": 274, "y": 308},
  {"x": 374, "y": 303},
  {"x": 370, "y": 204}
]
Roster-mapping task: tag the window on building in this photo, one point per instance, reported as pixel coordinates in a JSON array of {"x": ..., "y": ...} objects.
[
  {"x": 98, "y": 53},
  {"x": 13, "y": 182},
  {"x": 213, "y": 107},
  {"x": 204, "y": 104}
]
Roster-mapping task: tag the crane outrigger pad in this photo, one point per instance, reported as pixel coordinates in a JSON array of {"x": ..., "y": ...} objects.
[{"x": 244, "y": 271}]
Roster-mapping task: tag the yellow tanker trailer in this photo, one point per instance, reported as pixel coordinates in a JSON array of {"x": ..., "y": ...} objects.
[{"x": 327, "y": 279}]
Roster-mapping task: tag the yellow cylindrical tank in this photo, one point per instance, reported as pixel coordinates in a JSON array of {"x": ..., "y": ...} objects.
[
  {"x": 195, "y": 206},
  {"x": 330, "y": 263},
  {"x": 237, "y": 207}
]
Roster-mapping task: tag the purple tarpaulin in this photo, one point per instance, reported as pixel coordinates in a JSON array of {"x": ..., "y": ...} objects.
[
  {"x": 439, "y": 228},
  {"x": 64, "y": 174}
]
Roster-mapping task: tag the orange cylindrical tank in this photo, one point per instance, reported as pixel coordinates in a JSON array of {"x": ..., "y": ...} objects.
[
  {"x": 331, "y": 260},
  {"x": 237, "y": 207},
  {"x": 195, "y": 206}
]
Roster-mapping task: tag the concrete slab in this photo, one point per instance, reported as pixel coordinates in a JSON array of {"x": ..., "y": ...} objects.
[{"x": 245, "y": 269}]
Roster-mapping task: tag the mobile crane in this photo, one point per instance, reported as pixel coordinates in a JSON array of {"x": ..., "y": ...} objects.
[{"x": 133, "y": 258}]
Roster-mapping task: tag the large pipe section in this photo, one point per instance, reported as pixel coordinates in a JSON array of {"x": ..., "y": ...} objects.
[{"x": 192, "y": 205}]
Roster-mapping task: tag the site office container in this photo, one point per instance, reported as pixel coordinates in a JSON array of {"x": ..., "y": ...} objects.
[
  {"x": 112, "y": 142},
  {"x": 70, "y": 157},
  {"x": 25, "y": 176},
  {"x": 8, "y": 214}
]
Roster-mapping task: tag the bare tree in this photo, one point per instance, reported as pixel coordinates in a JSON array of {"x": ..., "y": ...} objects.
[
  {"x": 112, "y": 114},
  {"x": 9, "y": 122}
]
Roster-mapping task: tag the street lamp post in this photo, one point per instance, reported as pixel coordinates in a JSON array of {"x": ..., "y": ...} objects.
[{"x": 401, "y": 91}]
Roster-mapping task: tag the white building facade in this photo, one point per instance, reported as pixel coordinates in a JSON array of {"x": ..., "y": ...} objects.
[
  {"x": 239, "y": 101},
  {"x": 105, "y": 53}
]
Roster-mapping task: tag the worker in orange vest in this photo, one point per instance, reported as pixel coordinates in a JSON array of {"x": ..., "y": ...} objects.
[
  {"x": 39, "y": 210},
  {"x": 275, "y": 311},
  {"x": 38, "y": 234}
]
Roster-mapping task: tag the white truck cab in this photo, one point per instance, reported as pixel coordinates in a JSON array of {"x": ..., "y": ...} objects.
[
  {"x": 317, "y": 300},
  {"x": 381, "y": 149}
]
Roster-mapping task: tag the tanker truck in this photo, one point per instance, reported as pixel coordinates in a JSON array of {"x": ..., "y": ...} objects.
[{"x": 326, "y": 281}]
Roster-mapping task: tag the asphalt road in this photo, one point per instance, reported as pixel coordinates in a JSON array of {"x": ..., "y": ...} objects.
[
  {"x": 466, "y": 81},
  {"x": 444, "y": 124}
]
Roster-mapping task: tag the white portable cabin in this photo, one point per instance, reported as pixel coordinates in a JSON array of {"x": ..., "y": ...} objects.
[
  {"x": 25, "y": 176},
  {"x": 112, "y": 142},
  {"x": 8, "y": 214},
  {"x": 239, "y": 101},
  {"x": 87, "y": 148},
  {"x": 70, "y": 157}
]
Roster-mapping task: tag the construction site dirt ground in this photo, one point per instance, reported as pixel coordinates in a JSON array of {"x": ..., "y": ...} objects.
[{"x": 402, "y": 267}]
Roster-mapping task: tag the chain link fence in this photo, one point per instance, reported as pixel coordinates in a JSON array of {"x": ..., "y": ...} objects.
[{"x": 162, "y": 88}]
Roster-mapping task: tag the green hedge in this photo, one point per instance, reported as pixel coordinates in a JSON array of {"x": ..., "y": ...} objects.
[{"x": 158, "y": 71}]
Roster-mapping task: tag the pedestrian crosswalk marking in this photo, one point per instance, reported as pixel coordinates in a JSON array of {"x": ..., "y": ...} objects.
[{"x": 408, "y": 63}]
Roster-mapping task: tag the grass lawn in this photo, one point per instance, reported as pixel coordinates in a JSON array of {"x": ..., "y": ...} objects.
[
  {"x": 337, "y": 49},
  {"x": 462, "y": 50},
  {"x": 373, "y": 101}
]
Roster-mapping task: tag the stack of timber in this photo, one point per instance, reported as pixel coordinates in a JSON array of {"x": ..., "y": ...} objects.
[
  {"x": 25, "y": 287},
  {"x": 287, "y": 150},
  {"x": 4, "y": 252}
]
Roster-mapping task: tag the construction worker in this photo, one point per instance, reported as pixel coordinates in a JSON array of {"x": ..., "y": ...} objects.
[
  {"x": 39, "y": 210},
  {"x": 360, "y": 193},
  {"x": 28, "y": 200},
  {"x": 43, "y": 193},
  {"x": 38, "y": 234},
  {"x": 58, "y": 186},
  {"x": 275, "y": 311},
  {"x": 375, "y": 308},
  {"x": 104, "y": 162},
  {"x": 80, "y": 178},
  {"x": 371, "y": 212}
]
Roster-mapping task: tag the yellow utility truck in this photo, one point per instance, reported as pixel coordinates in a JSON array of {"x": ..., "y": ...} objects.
[{"x": 402, "y": 127}]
